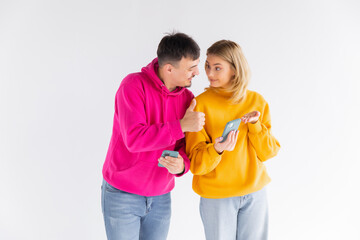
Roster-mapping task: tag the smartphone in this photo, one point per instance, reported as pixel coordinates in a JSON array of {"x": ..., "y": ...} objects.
[
  {"x": 230, "y": 126},
  {"x": 165, "y": 153}
]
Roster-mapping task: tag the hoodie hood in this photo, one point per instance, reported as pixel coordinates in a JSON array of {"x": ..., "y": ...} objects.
[{"x": 151, "y": 72}]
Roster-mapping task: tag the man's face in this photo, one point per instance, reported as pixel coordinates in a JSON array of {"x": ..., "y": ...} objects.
[{"x": 184, "y": 71}]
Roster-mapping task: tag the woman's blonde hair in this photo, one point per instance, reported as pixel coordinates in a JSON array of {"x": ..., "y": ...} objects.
[{"x": 232, "y": 53}]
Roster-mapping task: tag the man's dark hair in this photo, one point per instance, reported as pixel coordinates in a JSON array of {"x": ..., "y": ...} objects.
[{"x": 173, "y": 47}]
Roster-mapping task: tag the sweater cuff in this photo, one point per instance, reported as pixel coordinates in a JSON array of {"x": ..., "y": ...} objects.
[
  {"x": 255, "y": 128},
  {"x": 186, "y": 167},
  {"x": 182, "y": 173},
  {"x": 213, "y": 153},
  {"x": 175, "y": 130},
  {"x": 215, "y": 156}
]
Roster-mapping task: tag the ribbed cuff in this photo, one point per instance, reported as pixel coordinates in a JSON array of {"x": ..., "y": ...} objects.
[
  {"x": 182, "y": 173},
  {"x": 186, "y": 165},
  {"x": 213, "y": 153},
  {"x": 175, "y": 130},
  {"x": 255, "y": 128}
]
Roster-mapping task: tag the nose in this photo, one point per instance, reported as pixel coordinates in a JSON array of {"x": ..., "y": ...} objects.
[
  {"x": 196, "y": 71},
  {"x": 209, "y": 73}
]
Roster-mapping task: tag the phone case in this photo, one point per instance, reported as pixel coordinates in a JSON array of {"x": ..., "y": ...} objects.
[
  {"x": 230, "y": 126},
  {"x": 165, "y": 153}
]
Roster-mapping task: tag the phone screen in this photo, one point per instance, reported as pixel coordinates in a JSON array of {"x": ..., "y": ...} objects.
[
  {"x": 230, "y": 126},
  {"x": 165, "y": 153}
]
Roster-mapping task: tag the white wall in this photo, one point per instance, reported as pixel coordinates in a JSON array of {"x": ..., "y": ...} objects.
[{"x": 62, "y": 61}]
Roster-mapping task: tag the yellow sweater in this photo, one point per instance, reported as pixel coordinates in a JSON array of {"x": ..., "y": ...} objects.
[{"x": 232, "y": 173}]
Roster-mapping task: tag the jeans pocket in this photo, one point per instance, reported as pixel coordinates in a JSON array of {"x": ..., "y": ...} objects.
[{"x": 110, "y": 188}]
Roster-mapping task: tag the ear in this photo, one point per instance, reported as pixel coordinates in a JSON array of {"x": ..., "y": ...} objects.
[
  {"x": 233, "y": 73},
  {"x": 168, "y": 68}
]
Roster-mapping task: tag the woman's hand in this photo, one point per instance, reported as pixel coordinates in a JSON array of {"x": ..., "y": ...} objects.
[
  {"x": 251, "y": 117},
  {"x": 228, "y": 145},
  {"x": 173, "y": 165}
]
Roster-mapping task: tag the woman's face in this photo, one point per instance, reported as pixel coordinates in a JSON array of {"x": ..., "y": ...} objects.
[{"x": 218, "y": 71}]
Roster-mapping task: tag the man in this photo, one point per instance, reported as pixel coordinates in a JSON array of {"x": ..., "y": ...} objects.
[{"x": 152, "y": 113}]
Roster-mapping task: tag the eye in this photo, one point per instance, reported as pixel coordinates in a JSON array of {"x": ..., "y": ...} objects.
[
  {"x": 207, "y": 66},
  {"x": 217, "y": 69}
]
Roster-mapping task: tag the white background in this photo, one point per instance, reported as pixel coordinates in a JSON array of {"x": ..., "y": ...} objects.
[{"x": 61, "y": 63}]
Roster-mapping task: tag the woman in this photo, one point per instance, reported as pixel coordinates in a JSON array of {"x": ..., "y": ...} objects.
[{"x": 230, "y": 176}]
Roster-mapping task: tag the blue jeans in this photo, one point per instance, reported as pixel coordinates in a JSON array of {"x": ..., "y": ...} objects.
[
  {"x": 131, "y": 216},
  {"x": 240, "y": 218}
]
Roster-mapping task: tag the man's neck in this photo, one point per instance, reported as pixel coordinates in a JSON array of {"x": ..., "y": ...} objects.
[{"x": 160, "y": 75}]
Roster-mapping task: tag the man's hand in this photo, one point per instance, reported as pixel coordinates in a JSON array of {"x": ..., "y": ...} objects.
[
  {"x": 228, "y": 145},
  {"x": 192, "y": 121},
  {"x": 173, "y": 165},
  {"x": 251, "y": 117}
]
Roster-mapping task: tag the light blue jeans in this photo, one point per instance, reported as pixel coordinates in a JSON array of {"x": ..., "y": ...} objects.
[
  {"x": 240, "y": 218},
  {"x": 131, "y": 216}
]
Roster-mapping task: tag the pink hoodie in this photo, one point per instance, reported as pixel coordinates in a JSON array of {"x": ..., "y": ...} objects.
[{"x": 146, "y": 122}]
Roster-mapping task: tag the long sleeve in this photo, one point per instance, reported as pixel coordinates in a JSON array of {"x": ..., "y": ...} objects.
[
  {"x": 237, "y": 172},
  {"x": 138, "y": 135},
  {"x": 202, "y": 153},
  {"x": 180, "y": 147},
  {"x": 264, "y": 143}
]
